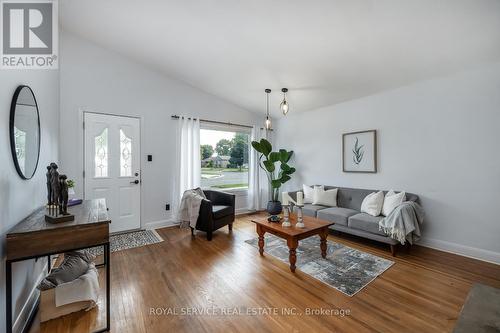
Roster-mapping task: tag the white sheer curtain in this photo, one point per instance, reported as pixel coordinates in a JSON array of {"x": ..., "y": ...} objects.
[
  {"x": 257, "y": 185},
  {"x": 188, "y": 163}
]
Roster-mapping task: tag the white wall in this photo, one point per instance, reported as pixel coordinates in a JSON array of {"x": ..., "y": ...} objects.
[
  {"x": 99, "y": 80},
  {"x": 18, "y": 198},
  {"x": 438, "y": 139}
]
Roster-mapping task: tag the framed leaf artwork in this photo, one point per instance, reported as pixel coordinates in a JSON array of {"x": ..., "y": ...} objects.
[{"x": 359, "y": 151}]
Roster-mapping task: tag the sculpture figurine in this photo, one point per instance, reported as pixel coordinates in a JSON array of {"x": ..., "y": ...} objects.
[
  {"x": 49, "y": 186},
  {"x": 63, "y": 195},
  {"x": 57, "y": 196},
  {"x": 55, "y": 186}
]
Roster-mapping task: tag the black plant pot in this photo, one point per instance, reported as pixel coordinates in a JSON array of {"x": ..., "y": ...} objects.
[{"x": 274, "y": 207}]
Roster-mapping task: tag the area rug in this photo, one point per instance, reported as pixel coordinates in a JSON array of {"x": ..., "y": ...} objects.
[
  {"x": 346, "y": 269},
  {"x": 129, "y": 240},
  {"x": 481, "y": 311}
]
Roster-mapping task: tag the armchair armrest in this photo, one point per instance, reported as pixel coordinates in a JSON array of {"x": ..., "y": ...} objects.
[{"x": 205, "y": 220}]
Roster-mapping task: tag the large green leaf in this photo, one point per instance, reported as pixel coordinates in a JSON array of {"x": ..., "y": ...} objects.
[
  {"x": 274, "y": 157},
  {"x": 269, "y": 165},
  {"x": 283, "y": 155},
  {"x": 284, "y": 179},
  {"x": 266, "y": 147},
  {"x": 256, "y": 146},
  {"x": 285, "y": 167},
  {"x": 276, "y": 183}
]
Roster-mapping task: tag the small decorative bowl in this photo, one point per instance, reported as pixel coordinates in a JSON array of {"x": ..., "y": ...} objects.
[{"x": 274, "y": 218}]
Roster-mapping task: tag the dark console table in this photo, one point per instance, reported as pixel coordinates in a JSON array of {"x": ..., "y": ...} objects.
[{"x": 33, "y": 238}]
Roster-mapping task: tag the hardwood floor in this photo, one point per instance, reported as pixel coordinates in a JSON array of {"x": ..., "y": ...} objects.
[{"x": 423, "y": 292}]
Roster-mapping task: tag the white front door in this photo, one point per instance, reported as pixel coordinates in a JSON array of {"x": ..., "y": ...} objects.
[{"x": 112, "y": 167}]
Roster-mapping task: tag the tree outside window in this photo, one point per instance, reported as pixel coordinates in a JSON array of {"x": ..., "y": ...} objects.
[{"x": 224, "y": 159}]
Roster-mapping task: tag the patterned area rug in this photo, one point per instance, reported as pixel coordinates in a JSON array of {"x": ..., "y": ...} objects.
[
  {"x": 129, "y": 240},
  {"x": 346, "y": 269}
]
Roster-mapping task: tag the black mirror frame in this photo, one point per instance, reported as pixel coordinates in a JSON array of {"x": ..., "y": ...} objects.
[{"x": 11, "y": 130}]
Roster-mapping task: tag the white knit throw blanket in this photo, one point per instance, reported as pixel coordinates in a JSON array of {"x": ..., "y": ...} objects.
[{"x": 403, "y": 223}]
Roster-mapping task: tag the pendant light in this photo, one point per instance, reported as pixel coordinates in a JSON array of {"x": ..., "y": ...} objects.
[
  {"x": 268, "y": 120},
  {"x": 284, "y": 105}
]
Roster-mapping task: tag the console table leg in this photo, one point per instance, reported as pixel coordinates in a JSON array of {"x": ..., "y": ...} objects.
[
  {"x": 108, "y": 287},
  {"x": 292, "y": 246},
  {"x": 261, "y": 233},
  {"x": 8, "y": 296}
]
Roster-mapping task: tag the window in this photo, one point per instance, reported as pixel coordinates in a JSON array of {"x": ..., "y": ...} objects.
[
  {"x": 224, "y": 157},
  {"x": 101, "y": 154},
  {"x": 125, "y": 155}
]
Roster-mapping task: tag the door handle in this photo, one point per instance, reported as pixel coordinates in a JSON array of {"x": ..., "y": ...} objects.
[{"x": 135, "y": 182}]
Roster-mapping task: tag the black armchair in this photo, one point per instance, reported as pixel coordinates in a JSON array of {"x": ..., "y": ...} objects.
[{"x": 217, "y": 211}]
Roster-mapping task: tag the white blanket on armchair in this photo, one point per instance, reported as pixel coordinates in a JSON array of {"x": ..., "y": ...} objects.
[{"x": 190, "y": 207}]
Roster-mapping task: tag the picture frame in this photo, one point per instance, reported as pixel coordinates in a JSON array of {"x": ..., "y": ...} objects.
[{"x": 359, "y": 152}]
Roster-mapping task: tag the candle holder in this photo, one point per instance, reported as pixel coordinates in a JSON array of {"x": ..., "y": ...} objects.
[
  {"x": 300, "y": 219},
  {"x": 286, "y": 214}
]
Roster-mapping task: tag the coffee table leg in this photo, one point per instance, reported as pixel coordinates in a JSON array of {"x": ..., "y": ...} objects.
[
  {"x": 323, "y": 235},
  {"x": 292, "y": 247},
  {"x": 261, "y": 233}
]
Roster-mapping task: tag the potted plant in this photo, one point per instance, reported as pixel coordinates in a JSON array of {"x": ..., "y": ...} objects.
[
  {"x": 275, "y": 165},
  {"x": 71, "y": 187}
]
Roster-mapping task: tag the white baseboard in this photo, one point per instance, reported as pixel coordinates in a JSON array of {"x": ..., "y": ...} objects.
[
  {"x": 23, "y": 317},
  {"x": 463, "y": 250},
  {"x": 171, "y": 222},
  {"x": 242, "y": 211},
  {"x": 160, "y": 224}
]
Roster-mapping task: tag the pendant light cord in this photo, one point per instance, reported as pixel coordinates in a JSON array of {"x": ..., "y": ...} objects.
[{"x": 267, "y": 97}]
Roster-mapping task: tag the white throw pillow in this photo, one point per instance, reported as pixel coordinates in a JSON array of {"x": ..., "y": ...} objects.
[
  {"x": 392, "y": 200},
  {"x": 309, "y": 192},
  {"x": 372, "y": 203},
  {"x": 325, "y": 198}
]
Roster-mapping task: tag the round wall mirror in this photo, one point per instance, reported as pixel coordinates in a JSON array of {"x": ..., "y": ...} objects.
[{"x": 25, "y": 132}]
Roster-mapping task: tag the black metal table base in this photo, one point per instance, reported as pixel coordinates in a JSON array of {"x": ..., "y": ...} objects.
[{"x": 8, "y": 291}]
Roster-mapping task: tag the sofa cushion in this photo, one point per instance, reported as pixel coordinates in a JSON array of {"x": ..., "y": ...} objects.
[
  {"x": 311, "y": 210},
  {"x": 365, "y": 222},
  {"x": 373, "y": 203},
  {"x": 353, "y": 197},
  {"x": 391, "y": 201},
  {"x": 325, "y": 198},
  {"x": 336, "y": 214},
  {"x": 220, "y": 211}
]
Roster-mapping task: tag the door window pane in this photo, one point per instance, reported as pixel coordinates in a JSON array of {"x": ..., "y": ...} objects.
[
  {"x": 125, "y": 155},
  {"x": 224, "y": 159},
  {"x": 101, "y": 154}
]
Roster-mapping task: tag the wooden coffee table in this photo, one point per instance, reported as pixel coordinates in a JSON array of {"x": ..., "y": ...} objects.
[{"x": 292, "y": 235}]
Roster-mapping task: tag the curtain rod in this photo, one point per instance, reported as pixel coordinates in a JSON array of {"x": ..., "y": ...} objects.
[{"x": 213, "y": 121}]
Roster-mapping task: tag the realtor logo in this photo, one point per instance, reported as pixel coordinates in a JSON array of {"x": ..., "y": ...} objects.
[{"x": 29, "y": 34}]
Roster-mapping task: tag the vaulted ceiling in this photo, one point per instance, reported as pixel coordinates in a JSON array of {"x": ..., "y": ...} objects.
[{"x": 324, "y": 51}]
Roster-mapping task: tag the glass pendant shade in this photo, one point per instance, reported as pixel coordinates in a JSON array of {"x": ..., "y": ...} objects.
[
  {"x": 268, "y": 123},
  {"x": 284, "y": 105}
]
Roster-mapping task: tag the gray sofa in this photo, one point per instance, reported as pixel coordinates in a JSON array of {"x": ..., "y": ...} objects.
[{"x": 347, "y": 215}]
